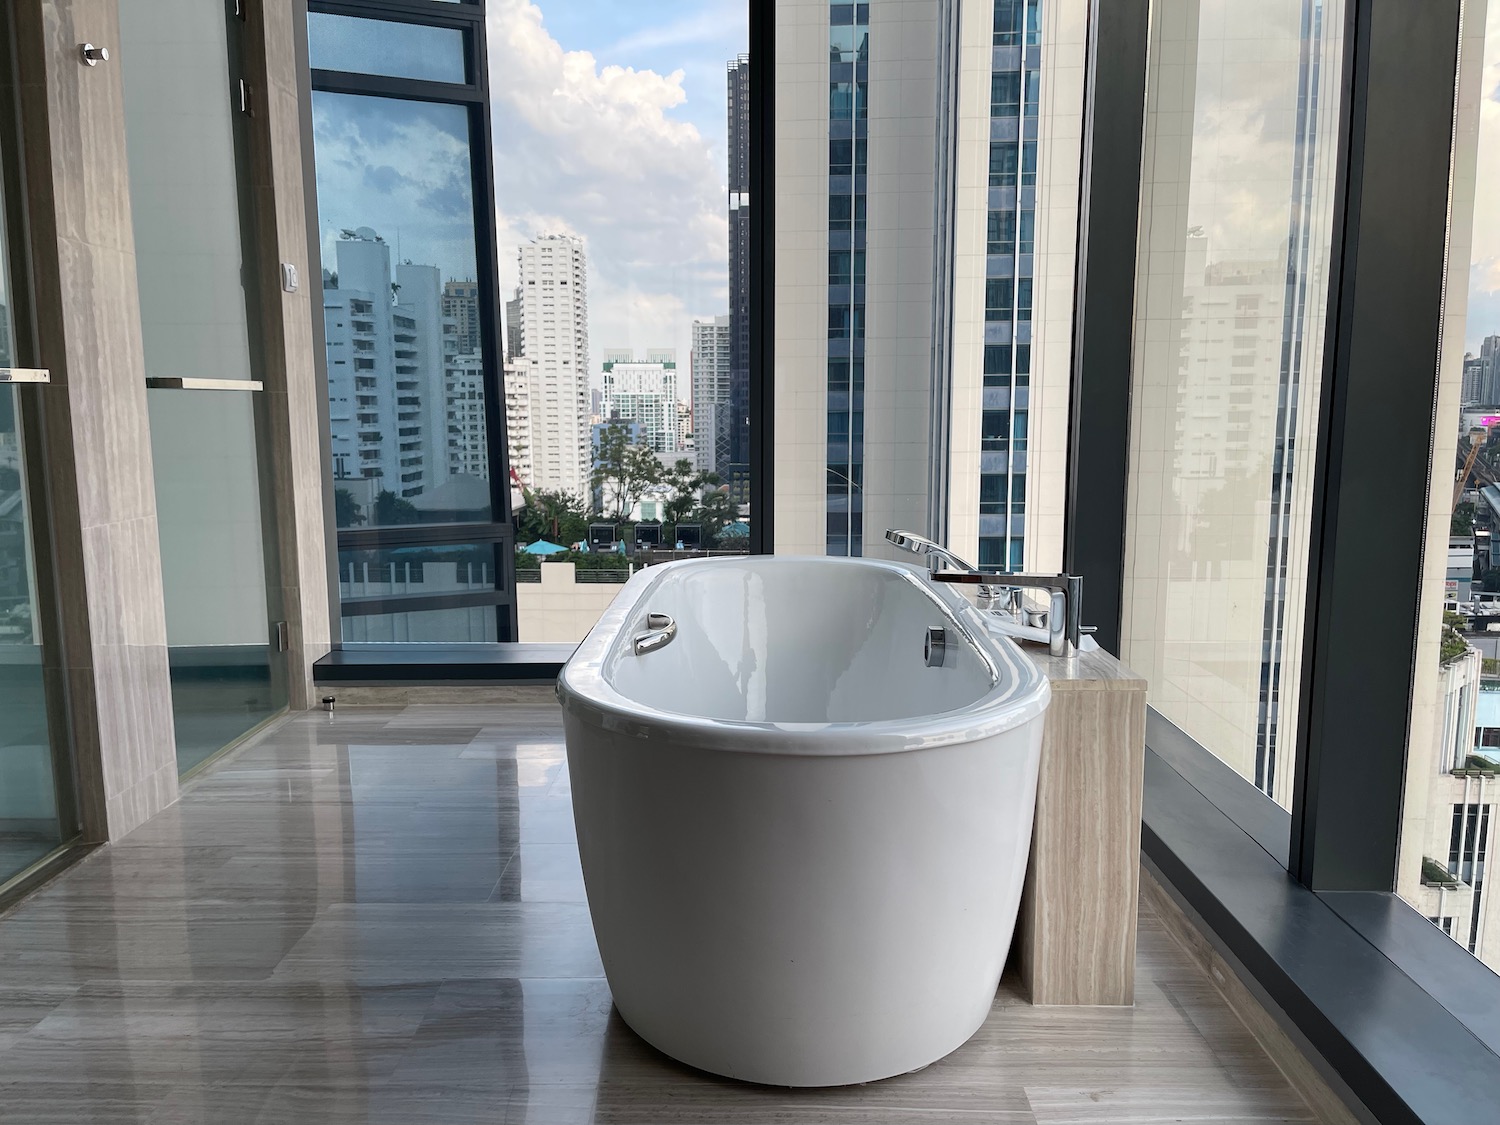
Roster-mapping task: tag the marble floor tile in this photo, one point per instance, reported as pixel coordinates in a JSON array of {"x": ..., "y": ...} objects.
[{"x": 378, "y": 917}]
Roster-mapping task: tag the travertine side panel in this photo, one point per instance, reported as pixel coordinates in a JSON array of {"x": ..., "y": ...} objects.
[
  {"x": 97, "y": 457},
  {"x": 292, "y": 386},
  {"x": 1077, "y": 932}
]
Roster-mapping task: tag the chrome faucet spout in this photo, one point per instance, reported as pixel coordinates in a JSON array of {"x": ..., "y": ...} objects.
[
  {"x": 1065, "y": 591},
  {"x": 936, "y": 553}
]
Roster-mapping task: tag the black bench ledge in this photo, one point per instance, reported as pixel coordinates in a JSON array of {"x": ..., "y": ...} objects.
[
  {"x": 451, "y": 664},
  {"x": 1407, "y": 1019}
]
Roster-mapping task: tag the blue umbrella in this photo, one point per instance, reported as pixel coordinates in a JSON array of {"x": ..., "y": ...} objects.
[
  {"x": 740, "y": 530},
  {"x": 542, "y": 547}
]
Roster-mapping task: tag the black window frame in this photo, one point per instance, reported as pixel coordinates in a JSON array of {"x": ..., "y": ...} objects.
[{"x": 473, "y": 97}]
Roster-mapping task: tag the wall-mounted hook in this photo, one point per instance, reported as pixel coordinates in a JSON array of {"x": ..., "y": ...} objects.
[{"x": 92, "y": 55}]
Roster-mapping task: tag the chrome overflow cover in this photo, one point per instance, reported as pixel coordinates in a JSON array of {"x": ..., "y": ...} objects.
[{"x": 937, "y": 642}]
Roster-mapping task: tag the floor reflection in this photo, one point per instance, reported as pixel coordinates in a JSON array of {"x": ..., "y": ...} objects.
[{"x": 378, "y": 916}]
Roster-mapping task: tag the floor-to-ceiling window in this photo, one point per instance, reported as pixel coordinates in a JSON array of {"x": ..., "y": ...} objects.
[
  {"x": 498, "y": 477},
  {"x": 405, "y": 236},
  {"x": 1453, "y": 765},
  {"x": 1237, "y": 213},
  {"x": 1010, "y": 243},
  {"x": 185, "y": 107},
  {"x": 848, "y": 165}
]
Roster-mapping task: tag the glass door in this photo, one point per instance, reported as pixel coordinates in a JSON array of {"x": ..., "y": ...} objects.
[{"x": 197, "y": 279}]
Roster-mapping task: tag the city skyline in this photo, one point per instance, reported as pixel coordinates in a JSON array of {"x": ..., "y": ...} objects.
[{"x": 598, "y": 118}]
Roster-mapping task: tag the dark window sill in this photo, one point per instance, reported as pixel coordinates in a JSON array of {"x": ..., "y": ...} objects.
[
  {"x": 442, "y": 664},
  {"x": 1407, "y": 1019}
]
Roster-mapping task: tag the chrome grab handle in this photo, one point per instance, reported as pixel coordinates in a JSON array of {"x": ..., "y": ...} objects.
[{"x": 660, "y": 632}]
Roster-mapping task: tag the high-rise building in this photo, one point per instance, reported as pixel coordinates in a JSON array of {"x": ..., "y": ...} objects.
[
  {"x": 1473, "y": 384},
  {"x": 1489, "y": 365},
  {"x": 461, "y": 305},
  {"x": 514, "y": 327},
  {"x": 384, "y": 365},
  {"x": 555, "y": 348},
  {"x": 924, "y": 308},
  {"x": 518, "y": 420},
  {"x": 732, "y": 451},
  {"x": 467, "y": 430},
  {"x": 711, "y": 375},
  {"x": 644, "y": 392}
]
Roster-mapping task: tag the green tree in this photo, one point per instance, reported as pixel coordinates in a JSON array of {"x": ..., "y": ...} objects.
[
  {"x": 1463, "y": 519},
  {"x": 346, "y": 512},
  {"x": 561, "y": 517},
  {"x": 391, "y": 510},
  {"x": 717, "y": 511},
  {"x": 622, "y": 470},
  {"x": 687, "y": 484}
]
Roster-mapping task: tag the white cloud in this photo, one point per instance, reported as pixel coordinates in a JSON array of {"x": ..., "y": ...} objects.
[
  {"x": 703, "y": 26},
  {"x": 597, "y": 152}
]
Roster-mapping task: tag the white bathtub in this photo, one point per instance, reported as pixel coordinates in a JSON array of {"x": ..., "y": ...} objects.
[{"x": 803, "y": 846}]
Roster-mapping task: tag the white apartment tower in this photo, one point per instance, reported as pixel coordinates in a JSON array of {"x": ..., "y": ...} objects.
[
  {"x": 924, "y": 311},
  {"x": 555, "y": 355},
  {"x": 644, "y": 392},
  {"x": 383, "y": 364},
  {"x": 710, "y": 374},
  {"x": 518, "y": 420},
  {"x": 467, "y": 430}
]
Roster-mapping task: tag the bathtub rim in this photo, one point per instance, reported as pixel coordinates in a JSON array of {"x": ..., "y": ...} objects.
[{"x": 585, "y": 693}]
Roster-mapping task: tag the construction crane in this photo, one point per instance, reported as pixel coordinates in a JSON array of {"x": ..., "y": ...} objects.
[{"x": 1477, "y": 437}]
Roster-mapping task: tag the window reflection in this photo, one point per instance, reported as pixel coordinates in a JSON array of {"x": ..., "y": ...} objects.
[
  {"x": 1236, "y": 228},
  {"x": 401, "y": 312}
]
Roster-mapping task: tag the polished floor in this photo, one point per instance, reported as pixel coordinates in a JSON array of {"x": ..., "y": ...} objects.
[{"x": 378, "y": 916}]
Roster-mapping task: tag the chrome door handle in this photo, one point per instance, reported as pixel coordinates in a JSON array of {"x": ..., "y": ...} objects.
[{"x": 660, "y": 632}]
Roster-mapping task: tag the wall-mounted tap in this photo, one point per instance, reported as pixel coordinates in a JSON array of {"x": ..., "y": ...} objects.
[{"x": 998, "y": 587}]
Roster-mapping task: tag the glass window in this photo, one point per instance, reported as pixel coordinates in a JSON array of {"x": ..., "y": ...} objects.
[
  {"x": 398, "y": 50},
  {"x": 1026, "y": 234},
  {"x": 1005, "y": 93},
  {"x": 1453, "y": 749},
  {"x": 998, "y": 294},
  {"x": 994, "y": 434},
  {"x": 841, "y": 157},
  {"x": 1001, "y": 236},
  {"x": 846, "y": 157},
  {"x": 406, "y": 385},
  {"x": 1236, "y": 229},
  {"x": 991, "y": 494},
  {"x": 997, "y": 365},
  {"x": 1033, "y": 91},
  {"x": 1028, "y": 164},
  {"x": 1023, "y": 298},
  {"x": 841, "y": 101},
  {"x": 654, "y": 328},
  {"x": 1008, "y": 22},
  {"x": 1003, "y": 159}
]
